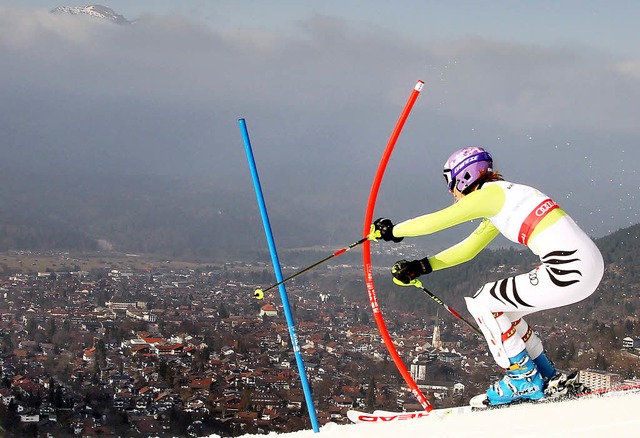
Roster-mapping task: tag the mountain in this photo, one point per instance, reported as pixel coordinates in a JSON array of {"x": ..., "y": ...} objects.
[
  {"x": 97, "y": 11},
  {"x": 140, "y": 214},
  {"x": 190, "y": 221}
]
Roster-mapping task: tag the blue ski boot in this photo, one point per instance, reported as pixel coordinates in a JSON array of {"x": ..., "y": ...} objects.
[
  {"x": 545, "y": 367},
  {"x": 522, "y": 382}
]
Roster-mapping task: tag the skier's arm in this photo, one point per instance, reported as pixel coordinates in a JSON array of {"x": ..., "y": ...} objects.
[
  {"x": 483, "y": 203},
  {"x": 467, "y": 249}
]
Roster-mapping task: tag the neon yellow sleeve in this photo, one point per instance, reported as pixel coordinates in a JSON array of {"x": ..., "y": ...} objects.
[
  {"x": 483, "y": 203},
  {"x": 467, "y": 249}
]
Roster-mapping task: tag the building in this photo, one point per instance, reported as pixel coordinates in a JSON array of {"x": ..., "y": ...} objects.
[
  {"x": 436, "y": 341},
  {"x": 627, "y": 342},
  {"x": 418, "y": 370},
  {"x": 596, "y": 379},
  {"x": 268, "y": 310}
]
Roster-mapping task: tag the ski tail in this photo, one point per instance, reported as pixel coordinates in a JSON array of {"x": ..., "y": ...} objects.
[{"x": 380, "y": 416}]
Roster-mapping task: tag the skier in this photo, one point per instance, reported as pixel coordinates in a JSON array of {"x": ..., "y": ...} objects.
[{"x": 571, "y": 267}]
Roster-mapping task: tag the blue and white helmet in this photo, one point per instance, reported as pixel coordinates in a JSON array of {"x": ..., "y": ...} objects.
[{"x": 465, "y": 166}]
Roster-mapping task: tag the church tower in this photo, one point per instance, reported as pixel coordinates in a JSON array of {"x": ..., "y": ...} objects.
[{"x": 436, "y": 342}]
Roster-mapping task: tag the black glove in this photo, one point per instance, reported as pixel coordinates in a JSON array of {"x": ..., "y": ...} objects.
[
  {"x": 406, "y": 271},
  {"x": 385, "y": 226}
]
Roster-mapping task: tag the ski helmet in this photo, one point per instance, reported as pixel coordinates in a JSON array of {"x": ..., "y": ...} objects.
[{"x": 465, "y": 166}]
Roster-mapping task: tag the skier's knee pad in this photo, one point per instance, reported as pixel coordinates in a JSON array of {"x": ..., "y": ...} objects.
[
  {"x": 501, "y": 336},
  {"x": 530, "y": 338}
]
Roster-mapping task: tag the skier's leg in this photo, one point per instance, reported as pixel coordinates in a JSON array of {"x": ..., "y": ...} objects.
[
  {"x": 511, "y": 340},
  {"x": 522, "y": 380},
  {"x": 556, "y": 382},
  {"x": 535, "y": 349},
  {"x": 571, "y": 269}
]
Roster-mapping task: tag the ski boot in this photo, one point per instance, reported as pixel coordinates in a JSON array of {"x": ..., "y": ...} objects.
[
  {"x": 522, "y": 382},
  {"x": 564, "y": 384},
  {"x": 545, "y": 367}
]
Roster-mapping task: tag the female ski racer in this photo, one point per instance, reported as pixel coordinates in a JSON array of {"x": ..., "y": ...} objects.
[{"x": 571, "y": 267}]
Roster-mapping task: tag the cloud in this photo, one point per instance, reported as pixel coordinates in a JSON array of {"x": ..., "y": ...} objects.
[
  {"x": 525, "y": 86},
  {"x": 629, "y": 68},
  {"x": 163, "y": 95},
  {"x": 330, "y": 63}
]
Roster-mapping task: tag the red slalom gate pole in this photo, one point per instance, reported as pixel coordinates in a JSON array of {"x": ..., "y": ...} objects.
[{"x": 366, "y": 252}]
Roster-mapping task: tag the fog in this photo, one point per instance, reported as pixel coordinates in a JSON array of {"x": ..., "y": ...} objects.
[{"x": 161, "y": 98}]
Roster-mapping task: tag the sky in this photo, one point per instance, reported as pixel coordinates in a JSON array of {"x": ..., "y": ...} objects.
[
  {"x": 586, "y": 418},
  {"x": 594, "y": 23},
  {"x": 551, "y": 89}
]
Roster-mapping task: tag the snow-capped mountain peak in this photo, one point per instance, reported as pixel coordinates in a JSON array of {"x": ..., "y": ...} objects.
[{"x": 97, "y": 11}]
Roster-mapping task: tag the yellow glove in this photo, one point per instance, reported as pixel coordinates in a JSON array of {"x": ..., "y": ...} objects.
[
  {"x": 374, "y": 234},
  {"x": 382, "y": 228},
  {"x": 415, "y": 282}
]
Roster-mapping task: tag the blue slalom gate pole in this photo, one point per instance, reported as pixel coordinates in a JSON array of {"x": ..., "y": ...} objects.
[{"x": 276, "y": 266}]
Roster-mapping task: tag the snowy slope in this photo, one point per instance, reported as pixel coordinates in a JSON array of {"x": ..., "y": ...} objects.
[
  {"x": 97, "y": 11},
  {"x": 614, "y": 416}
]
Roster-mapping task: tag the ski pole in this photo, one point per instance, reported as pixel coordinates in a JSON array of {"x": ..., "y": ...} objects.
[
  {"x": 417, "y": 283},
  {"x": 259, "y": 293}
]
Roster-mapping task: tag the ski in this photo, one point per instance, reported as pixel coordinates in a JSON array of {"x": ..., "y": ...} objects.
[
  {"x": 477, "y": 403},
  {"x": 626, "y": 388},
  {"x": 381, "y": 416}
]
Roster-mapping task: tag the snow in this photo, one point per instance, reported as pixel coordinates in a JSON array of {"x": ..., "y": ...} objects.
[
  {"x": 614, "y": 415},
  {"x": 97, "y": 11}
]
